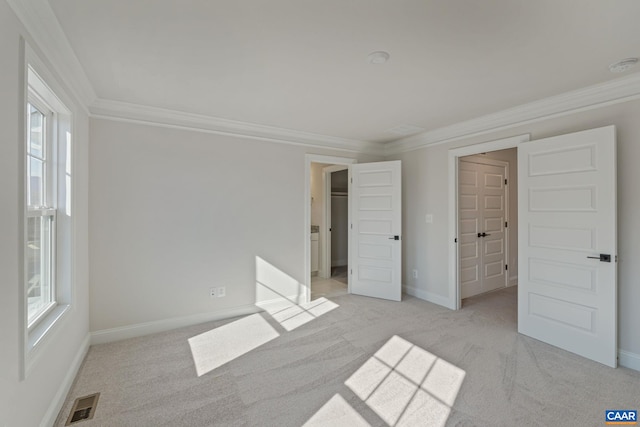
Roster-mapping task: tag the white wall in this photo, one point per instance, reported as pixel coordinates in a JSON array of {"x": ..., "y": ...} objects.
[
  {"x": 175, "y": 212},
  {"x": 425, "y": 246},
  {"x": 37, "y": 398}
]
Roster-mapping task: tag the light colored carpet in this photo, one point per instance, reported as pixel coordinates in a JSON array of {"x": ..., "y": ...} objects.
[{"x": 352, "y": 361}]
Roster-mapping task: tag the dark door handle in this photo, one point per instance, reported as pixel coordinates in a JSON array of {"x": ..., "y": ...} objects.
[
  {"x": 602, "y": 257},
  {"x": 483, "y": 234},
  {"x": 394, "y": 238}
]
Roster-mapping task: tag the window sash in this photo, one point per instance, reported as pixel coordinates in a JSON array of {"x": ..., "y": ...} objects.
[{"x": 40, "y": 283}]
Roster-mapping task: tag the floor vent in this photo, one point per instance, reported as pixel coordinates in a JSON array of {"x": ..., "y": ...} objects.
[{"x": 83, "y": 409}]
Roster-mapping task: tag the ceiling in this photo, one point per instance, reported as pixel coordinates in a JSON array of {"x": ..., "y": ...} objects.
[{"x": 302, "y": 65}]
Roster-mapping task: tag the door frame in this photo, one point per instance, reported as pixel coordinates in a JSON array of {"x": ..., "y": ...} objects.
[
  {"x": 454, "y": 301},
  {"x": 325, "y": 235},
  {"x": 478, "y": 160},
  {"x": 308, "y": 159}
]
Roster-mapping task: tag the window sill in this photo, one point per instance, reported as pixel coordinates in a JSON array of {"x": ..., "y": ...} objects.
[{"x": 44, "y": 326}]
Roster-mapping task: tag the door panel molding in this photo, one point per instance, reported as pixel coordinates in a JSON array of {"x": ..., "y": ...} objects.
[{"x": 566, "y": 298}]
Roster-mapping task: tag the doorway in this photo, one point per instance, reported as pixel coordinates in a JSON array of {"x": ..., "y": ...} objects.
[
  {"x": 329, "y": 230},
  {"x": 455, "y": 297},
  {"x": 336, "y": 255},
  {"x": 375, "y": 226},
  {"x": 318, "y": 271},
  {"x": 487, "y": 199}
]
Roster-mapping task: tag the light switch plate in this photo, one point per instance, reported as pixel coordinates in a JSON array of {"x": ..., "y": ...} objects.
[{"x": 429, "y": 218}]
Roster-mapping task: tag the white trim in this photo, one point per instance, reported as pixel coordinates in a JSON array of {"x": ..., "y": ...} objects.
[
  {"x": 501, "y": 144},
  {"x": 134, "y": 113},
  {"x": 58, "y": 400},
  {"x": 629, "y": 360},
  {"x": 428, "y": 296},
  {"x": 513, "y": 280},
  {"x": 591, "y": 97},
  {"x": 146, "y": 328},
  {"x": 308, "y": 159},
  {"x": 45, "y": 30}
]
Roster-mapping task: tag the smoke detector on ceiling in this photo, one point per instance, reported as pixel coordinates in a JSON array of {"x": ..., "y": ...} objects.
[
  {"x": 379, "y": 57},
  {"x": 623, "y": 65}
]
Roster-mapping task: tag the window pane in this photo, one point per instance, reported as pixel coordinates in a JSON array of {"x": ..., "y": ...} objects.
[
  {"x": 36, "y": 132},
  {"x": 35, "y": 187},
  {"x": 39, "y": 284}
]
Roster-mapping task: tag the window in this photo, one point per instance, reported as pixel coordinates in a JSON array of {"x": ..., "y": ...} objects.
[
  {"x": 41, "y": 215},
  {"x": 48, "y": 208}
]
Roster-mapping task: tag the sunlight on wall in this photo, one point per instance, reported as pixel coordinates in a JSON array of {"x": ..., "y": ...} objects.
[
  {"x": 406, "y": 385},
  {"x": 216, "y": 347},
  {"x": 274, "y": 284},
  {"x": 282, "y": 297},
  {"x": 336, "y": 412}
]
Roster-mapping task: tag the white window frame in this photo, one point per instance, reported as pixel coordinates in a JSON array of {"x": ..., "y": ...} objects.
[
  {"x": 49, "y": 196},
  {"x": 43, "y": 90}
]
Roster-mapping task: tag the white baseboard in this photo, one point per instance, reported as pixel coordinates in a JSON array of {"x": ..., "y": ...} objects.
[
  {"x": 428, "y": 296},
  {"x": 629, "y": 360},
  {"x": 57, "y": 402},
  {"x": 513, "y": 281},
  {"x": 140, "y": 329}
]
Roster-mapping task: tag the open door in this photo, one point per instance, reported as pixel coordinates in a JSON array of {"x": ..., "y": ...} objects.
[
  {"x": 376, "y": 226},
  {"x": 567, "y": 293}
]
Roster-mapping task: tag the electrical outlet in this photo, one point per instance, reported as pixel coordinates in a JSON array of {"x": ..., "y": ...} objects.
[
  {"x": 213, "y": 292},
  {"x": 222, "y": 292},
  {"x": 415, "y": 274}
]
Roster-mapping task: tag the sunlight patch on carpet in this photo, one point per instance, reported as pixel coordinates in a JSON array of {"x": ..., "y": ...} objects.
[
  {"x": 221, "y": 345},
  {"x": 336, "y": 412},
  {"x": 406, "y": 385},
  {"x": 292, "y": 316}
]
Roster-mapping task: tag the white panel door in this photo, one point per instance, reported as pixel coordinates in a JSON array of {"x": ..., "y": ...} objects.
[
  {"x": 376, "y": 248},
  {"x": 567, "y": 219},
  {"x": 482, "y": 217}
]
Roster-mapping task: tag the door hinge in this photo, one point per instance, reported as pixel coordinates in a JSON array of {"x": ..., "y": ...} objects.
[
  {"x": 506, "y": 267},
  {"x": 351, "y": 272},
  {"x": 352, "y": 226},
  {"x": 505, "y": 224},
  {"x": 505, "y": 181},
  {"x": 352, "y": 180},
  {"x": 455, "y": 240}
]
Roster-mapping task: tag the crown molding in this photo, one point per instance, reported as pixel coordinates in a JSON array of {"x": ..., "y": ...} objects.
[
  {"x": 134, "y": 113},
  {"x": 47, "y": 34},
  {"x": 588, "y": 98}
]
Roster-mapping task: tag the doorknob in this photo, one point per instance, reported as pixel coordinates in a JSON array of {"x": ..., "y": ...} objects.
[
  {"x": 602, "y": 257},
  {"x": 394, "y": 238},
  {"x": 483, "y": 234}
]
